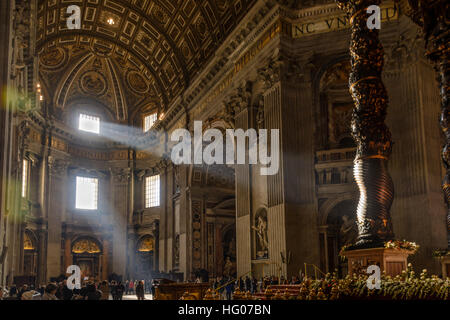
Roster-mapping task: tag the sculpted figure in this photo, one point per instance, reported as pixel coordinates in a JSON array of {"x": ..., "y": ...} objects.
[
  {"x": 261, "y": 231},
  {"x": 349, "y": 231}
]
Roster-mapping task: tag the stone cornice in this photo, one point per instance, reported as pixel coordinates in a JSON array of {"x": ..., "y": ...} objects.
[
  {"x": 62, "y": 131},
  {"x": 210, "y": 85},
  {"x": 317, "y": 10},
  {"x": 120, "y": 175},
  {"x": 260, "y": 19}
]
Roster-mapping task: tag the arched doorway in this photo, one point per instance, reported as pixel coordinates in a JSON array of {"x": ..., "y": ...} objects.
[
  {"x": 86, "y": 253},
  {"x": 229, "y": 251},
  {"x": 145, "y": 251},
  {"x": 29, "y": 254},
  {"x": 340, "y": 230}
]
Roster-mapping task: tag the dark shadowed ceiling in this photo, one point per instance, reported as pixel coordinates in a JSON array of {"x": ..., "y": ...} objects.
[{"x": 142, "y": 61}]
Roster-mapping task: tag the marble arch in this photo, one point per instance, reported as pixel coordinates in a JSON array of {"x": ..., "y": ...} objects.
[{"x": 329, "y": 204}]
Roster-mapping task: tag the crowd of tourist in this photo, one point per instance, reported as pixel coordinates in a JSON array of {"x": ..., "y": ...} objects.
[
  {"x": 226, "y": 286},
  {"x": 115, "y": 290},
  {"x": 89, "y": 290}
]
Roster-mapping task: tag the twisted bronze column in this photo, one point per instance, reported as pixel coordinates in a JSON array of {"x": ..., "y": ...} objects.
[
  {"x": 433, "y": 16},
  {"x": 371, "y": 134}
]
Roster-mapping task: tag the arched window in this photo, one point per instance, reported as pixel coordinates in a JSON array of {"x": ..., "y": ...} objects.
[
  {"x": 152, "y": 191},
  {"x": 89, "y": 123}
]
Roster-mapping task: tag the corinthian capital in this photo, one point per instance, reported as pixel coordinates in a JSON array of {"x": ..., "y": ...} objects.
[
  {"x": 57, "y": 167},
  {"x": 280, "y": 68},
  {"x": 240, "y": 99},
  {"x": 120, "y": 175},
  {"x": 163, "y": 163}
]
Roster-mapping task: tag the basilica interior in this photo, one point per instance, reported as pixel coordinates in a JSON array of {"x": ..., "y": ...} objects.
[{"x": 87, "y": 114}]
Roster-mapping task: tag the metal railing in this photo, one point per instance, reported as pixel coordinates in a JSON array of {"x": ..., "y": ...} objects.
[
  {"x": 316, "y": 269},
  {"x": 231, "y": 281}
]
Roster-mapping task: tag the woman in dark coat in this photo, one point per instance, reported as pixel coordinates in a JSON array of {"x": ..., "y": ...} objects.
[
  {"x": 119, "y": 290},
  {"x": 92, "y": 293},
  {"x": 140, "y": 292}
]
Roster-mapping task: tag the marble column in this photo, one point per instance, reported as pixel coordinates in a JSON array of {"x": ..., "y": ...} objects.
[
  {"x": 185, "y": 253},
  {"x": 68, "y": 258},
  {"x": 166, "y": 170},
  {"x": 105, "y": 260},
  {"x": 120, "y": 183},
  {"x": 42, "y": 257},
  {"x": 433, "y": 18},
  {"x": 418, "y": 209},
  {"x": 5, "y": 124},
  {"x": 166, "y": 217},
  {"x": 240, "y": 106},
  {"x": 291, "y": 203},
  {"x": 57, "y": 186}
]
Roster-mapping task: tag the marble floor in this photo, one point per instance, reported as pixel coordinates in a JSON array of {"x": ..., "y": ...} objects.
[{"x": 133, "y": 297}]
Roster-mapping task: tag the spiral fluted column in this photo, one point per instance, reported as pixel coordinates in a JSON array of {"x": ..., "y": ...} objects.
[
  {"x": 369, "y": 130},
  {"x": 433, "y": 16}
]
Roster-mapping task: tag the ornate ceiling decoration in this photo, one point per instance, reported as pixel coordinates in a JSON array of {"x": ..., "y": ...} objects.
[
  {"x": 300, "y": 4},
  {"x": 145, "y": 59}
]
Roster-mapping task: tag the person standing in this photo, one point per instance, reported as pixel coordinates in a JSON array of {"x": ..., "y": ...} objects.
[
  {"x": 22, "y": 291},
  {"x": 140, "y": 291},
  {"x": 104, "y": 288},
  {"x": 126, "y": 287},
  {"x": 131, "y": 287},
  {"x": 229, "y": 289},
  {"x": 66, "y": 292},
  {"x": 119, "y": 290},
  {"x": 50, "y": 291},
  {"x": 153, "y": 289},
  {"x": 92, "y": 293},
  {"x": 248, "y": 284},
  {"x": 113, "y": 290},
  {"x": 13, "y": 291}
]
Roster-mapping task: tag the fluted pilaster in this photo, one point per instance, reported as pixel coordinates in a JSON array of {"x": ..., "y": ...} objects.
[{"x": 432, "y": 17}]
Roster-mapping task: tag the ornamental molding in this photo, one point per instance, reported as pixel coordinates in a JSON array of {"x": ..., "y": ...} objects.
[
  {"x": 283, "y": 68},
  {"x": 120, "y": 175},
  {"x": 57, "y": 167}
]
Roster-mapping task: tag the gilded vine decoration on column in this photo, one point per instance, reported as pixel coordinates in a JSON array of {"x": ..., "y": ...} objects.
[{"x": 369, "y": 130}]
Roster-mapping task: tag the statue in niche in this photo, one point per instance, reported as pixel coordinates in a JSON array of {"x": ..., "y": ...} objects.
[
  {"x": 21, "y": 26},
  {"x": 231, "y": 252},
  {"x": 349, "y": 231},
  {"x": 262, "y": 243},
  {"x": 229, "y": 268}
]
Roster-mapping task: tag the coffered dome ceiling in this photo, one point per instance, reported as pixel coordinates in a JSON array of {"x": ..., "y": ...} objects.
[{"x": 144, "y": 60}]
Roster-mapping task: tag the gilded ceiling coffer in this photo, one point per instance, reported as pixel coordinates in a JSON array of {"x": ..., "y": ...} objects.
[
  {"x": 369, "y": 130},
  {"x": 433, "y": 16}
]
